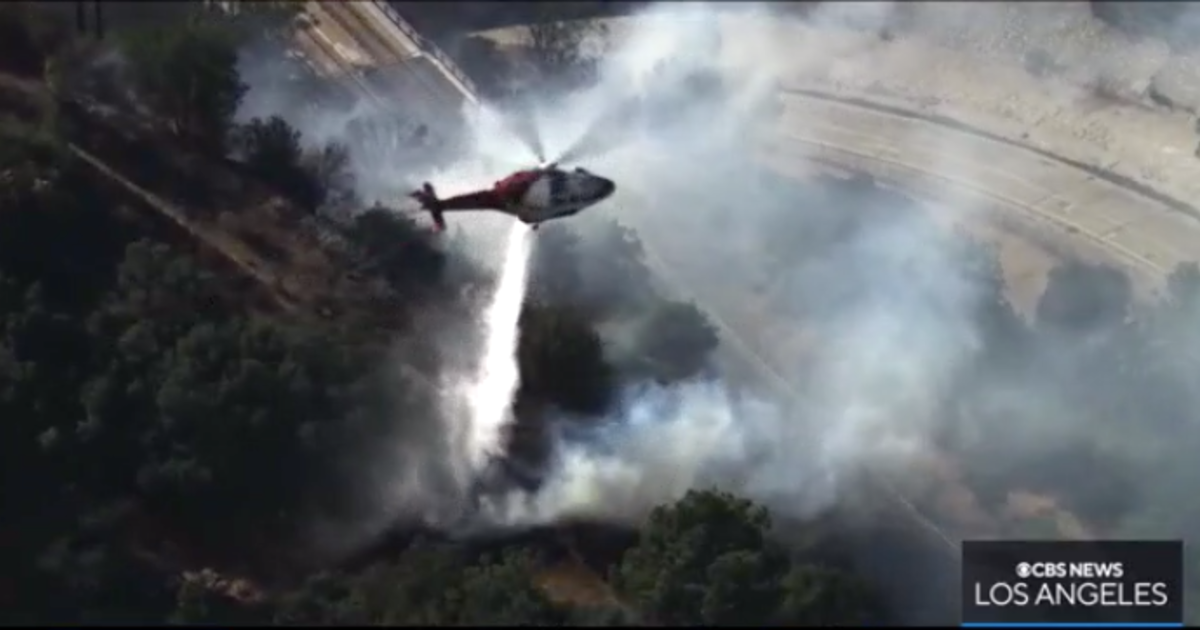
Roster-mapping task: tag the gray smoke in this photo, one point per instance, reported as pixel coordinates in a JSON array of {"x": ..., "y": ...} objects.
[{"x": 899, "y": 331}]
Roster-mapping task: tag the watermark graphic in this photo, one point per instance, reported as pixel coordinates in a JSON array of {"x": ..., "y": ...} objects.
[{"x": 1072, "y": 583}]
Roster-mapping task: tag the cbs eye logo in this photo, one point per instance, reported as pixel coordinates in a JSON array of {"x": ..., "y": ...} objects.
[{"x": 1027, "y": 570}]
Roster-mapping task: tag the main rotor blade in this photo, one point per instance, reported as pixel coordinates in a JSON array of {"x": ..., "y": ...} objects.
[
  {"x": 520, "y": 120},
  {"x": 614, "y": 127}
]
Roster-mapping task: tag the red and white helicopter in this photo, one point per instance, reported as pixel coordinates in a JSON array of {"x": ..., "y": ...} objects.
[
  {"x": 536, "y": 195},
  {"x": 533, "y": 196}
]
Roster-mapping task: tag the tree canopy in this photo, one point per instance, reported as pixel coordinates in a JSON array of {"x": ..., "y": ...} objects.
[
  {"x": 189, "y": 75},
  {"x": 710, "y": 559}
]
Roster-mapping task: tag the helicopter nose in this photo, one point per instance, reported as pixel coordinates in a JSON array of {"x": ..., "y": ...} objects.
[{"x": 606, "y": 186}]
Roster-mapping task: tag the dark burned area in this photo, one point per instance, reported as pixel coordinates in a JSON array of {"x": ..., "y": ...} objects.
[{"x": 198, "y": 363}]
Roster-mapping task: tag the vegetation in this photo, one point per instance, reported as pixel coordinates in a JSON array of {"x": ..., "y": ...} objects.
[
  {"x": 158, "y": 423},
  {"x": 709, "y": 560},
  {"x": 189, "y": 76}
]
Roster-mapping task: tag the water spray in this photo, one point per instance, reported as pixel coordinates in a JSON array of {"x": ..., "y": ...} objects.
[{"x": 490, "y": 395}]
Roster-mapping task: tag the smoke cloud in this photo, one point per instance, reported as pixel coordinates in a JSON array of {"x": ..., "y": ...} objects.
[{"x": 896, "y": 304}]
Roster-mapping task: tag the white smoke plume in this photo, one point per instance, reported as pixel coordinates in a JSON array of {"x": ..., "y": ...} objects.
[{"x": 868, "y": 396}]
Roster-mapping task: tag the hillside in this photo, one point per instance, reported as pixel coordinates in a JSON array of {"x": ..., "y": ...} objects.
[{"x": 208, "y": 342}]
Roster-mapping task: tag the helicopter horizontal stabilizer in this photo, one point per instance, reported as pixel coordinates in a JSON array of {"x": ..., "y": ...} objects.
[{"x": 430, "y": 203}]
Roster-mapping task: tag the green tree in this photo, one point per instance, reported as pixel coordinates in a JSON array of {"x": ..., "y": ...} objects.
[
  {"x": 323, "y": 599},
  {"x": 189, "y": 400},
  {"x": 704, "y": 560},
  {"x": 819, "y": 596},
  {"x": 429, "y": 584},
  {"x": 395, "y": 248},
  {"x": 158, "y": 296},
  {"x": 328, "y": 168},
  {"x": 502, "y": 592},
  {"x": 562, "y": 360},
  {"x": 269, "y": 145},
  {"x": 189, "y": 76},
  {"x": 709, "y": 560},
  {"x": 271, "y": 149},
  {"x": 423, "y": 586}
]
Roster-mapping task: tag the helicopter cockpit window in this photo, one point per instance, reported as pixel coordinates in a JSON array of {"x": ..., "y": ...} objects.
[
  {"x": 558, "y": 185},
  {"x": 583, "y": 187}
]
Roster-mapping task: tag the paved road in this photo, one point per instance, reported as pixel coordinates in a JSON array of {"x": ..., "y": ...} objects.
[
  {"x": 361, "y": 45},
  {"x": 1145, "y": 233}
]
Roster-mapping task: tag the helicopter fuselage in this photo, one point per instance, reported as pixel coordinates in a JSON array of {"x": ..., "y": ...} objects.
[
  {"x": 554, "y": 193},
  {"x": 532, "y": 196}
]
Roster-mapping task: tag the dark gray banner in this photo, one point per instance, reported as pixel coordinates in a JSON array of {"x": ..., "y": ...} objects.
[{"x": 1072, "y": 582}]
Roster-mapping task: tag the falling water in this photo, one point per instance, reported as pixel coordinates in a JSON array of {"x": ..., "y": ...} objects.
[{"x": 489, "y": 396}]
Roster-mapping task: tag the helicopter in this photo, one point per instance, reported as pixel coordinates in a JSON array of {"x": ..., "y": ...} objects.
[
  {"x": 547, "y": 191},
  {"x": 533, "y": 196}
]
